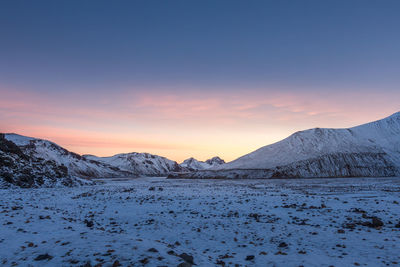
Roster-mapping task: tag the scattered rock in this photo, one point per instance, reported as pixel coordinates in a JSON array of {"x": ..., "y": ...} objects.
[
  {"x": 89, "y": 223},
  {"x": 43, "y": 257},
  {"x": 186, "y": 257},
  {"x": 375, "y": 223},
  {"x": 283, "y": 245},
  {"x": 249, "y": 257},
  {"x": 220, "y": 262},
  {"x": 144, "y": 260}
]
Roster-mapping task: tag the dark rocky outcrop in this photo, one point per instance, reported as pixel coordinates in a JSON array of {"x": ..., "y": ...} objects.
[{"x": 19, "y": 169}]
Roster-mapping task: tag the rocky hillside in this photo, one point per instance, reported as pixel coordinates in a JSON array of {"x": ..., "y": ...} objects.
[
  {"x": 19, "y": 169},
  {"x": 76, "y": 164},
  {"x": 88, "y": 166}
]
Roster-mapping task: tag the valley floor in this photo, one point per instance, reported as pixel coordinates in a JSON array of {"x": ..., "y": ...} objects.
[{"x": 153, "y": 221}]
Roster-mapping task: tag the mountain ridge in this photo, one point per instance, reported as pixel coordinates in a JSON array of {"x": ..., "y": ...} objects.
[
  {"x": 21, "y": 170},
  {"x": 371, "y": 149},
  {"x": 192, "y": 164},
  {"x": 133, "y": 164}
]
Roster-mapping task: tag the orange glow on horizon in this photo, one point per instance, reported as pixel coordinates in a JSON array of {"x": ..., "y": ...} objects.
[{"x": 185, "y": 124}]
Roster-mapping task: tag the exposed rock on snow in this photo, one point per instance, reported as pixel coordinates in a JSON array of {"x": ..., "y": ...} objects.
[
  {"x": 19, "y": 169},
  {"x": 372, "y": 149},
  {"x": 308, "y": 222},
  {"x": 191, "y": 164}
]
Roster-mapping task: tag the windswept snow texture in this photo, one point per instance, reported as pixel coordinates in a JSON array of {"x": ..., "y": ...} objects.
[
  {"x": 371, "y": 150},
  {"x": 153, "y": 221},
  {"x": 121, "y": 165},
  {"x": 193, "y": 164}
]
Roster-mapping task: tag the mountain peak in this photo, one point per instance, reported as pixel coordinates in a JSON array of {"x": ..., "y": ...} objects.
[
  {"x": 215, "y": 161},
  {"x": 371, "y": 149},
  {"x": 194, "y": 164}
]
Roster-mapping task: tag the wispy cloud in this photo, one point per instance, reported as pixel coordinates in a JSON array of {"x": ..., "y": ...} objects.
[{"x": 179, "y": 123}]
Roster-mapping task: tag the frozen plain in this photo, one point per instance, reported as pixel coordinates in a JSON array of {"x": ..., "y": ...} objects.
[{"x": 152, "y": 221}]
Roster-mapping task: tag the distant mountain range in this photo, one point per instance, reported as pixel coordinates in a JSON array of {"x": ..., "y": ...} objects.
[
  {"x": 41, "y": 152},
  {"x": 369, "y": 150}
]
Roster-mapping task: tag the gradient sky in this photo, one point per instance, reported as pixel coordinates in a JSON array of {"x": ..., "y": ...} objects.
[{"x": 194, "y": 78}]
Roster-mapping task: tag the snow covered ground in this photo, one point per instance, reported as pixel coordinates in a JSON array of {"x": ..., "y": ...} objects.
[{"x": 153, "y": 221}]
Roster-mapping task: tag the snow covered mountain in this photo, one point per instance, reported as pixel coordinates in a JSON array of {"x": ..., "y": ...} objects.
[
  {"x": 121, "y": 165},
  {"x": 18, "y": 169},
  {"x": 144, "y": 164},
  {"x": 193, "y": 164},
  {"x": 76, "y": 164},
  {"x": 215, "y": 161},
  {"x": 372, "y": 149}
]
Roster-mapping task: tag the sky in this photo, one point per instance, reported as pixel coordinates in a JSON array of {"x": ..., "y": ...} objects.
[{"x": 194, "y": 78}]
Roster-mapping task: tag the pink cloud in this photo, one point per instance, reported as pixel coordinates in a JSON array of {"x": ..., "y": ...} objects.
[{"x": 184, "y": 121}]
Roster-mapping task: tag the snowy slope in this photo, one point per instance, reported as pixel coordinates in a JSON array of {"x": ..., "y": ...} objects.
[
  {"x": 371, "y": 149},
  {"x": 193, "y": 164},
  {"x": 144, "y": 164},
  {"x": 77, "y": 165},
  {"x": 18, "y": 169},
  {"x": 121, "y": 165}
]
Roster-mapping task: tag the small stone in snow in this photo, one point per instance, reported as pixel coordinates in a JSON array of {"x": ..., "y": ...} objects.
[
  {"x": 249, "y": 257},
  {"x": 144, "y": 260},
  {"x": 43, "y": 257},
  {"x": 186, "y": 257},
  {"x": 282, "y": 245},
  {"x": 89, "y": 223}
]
